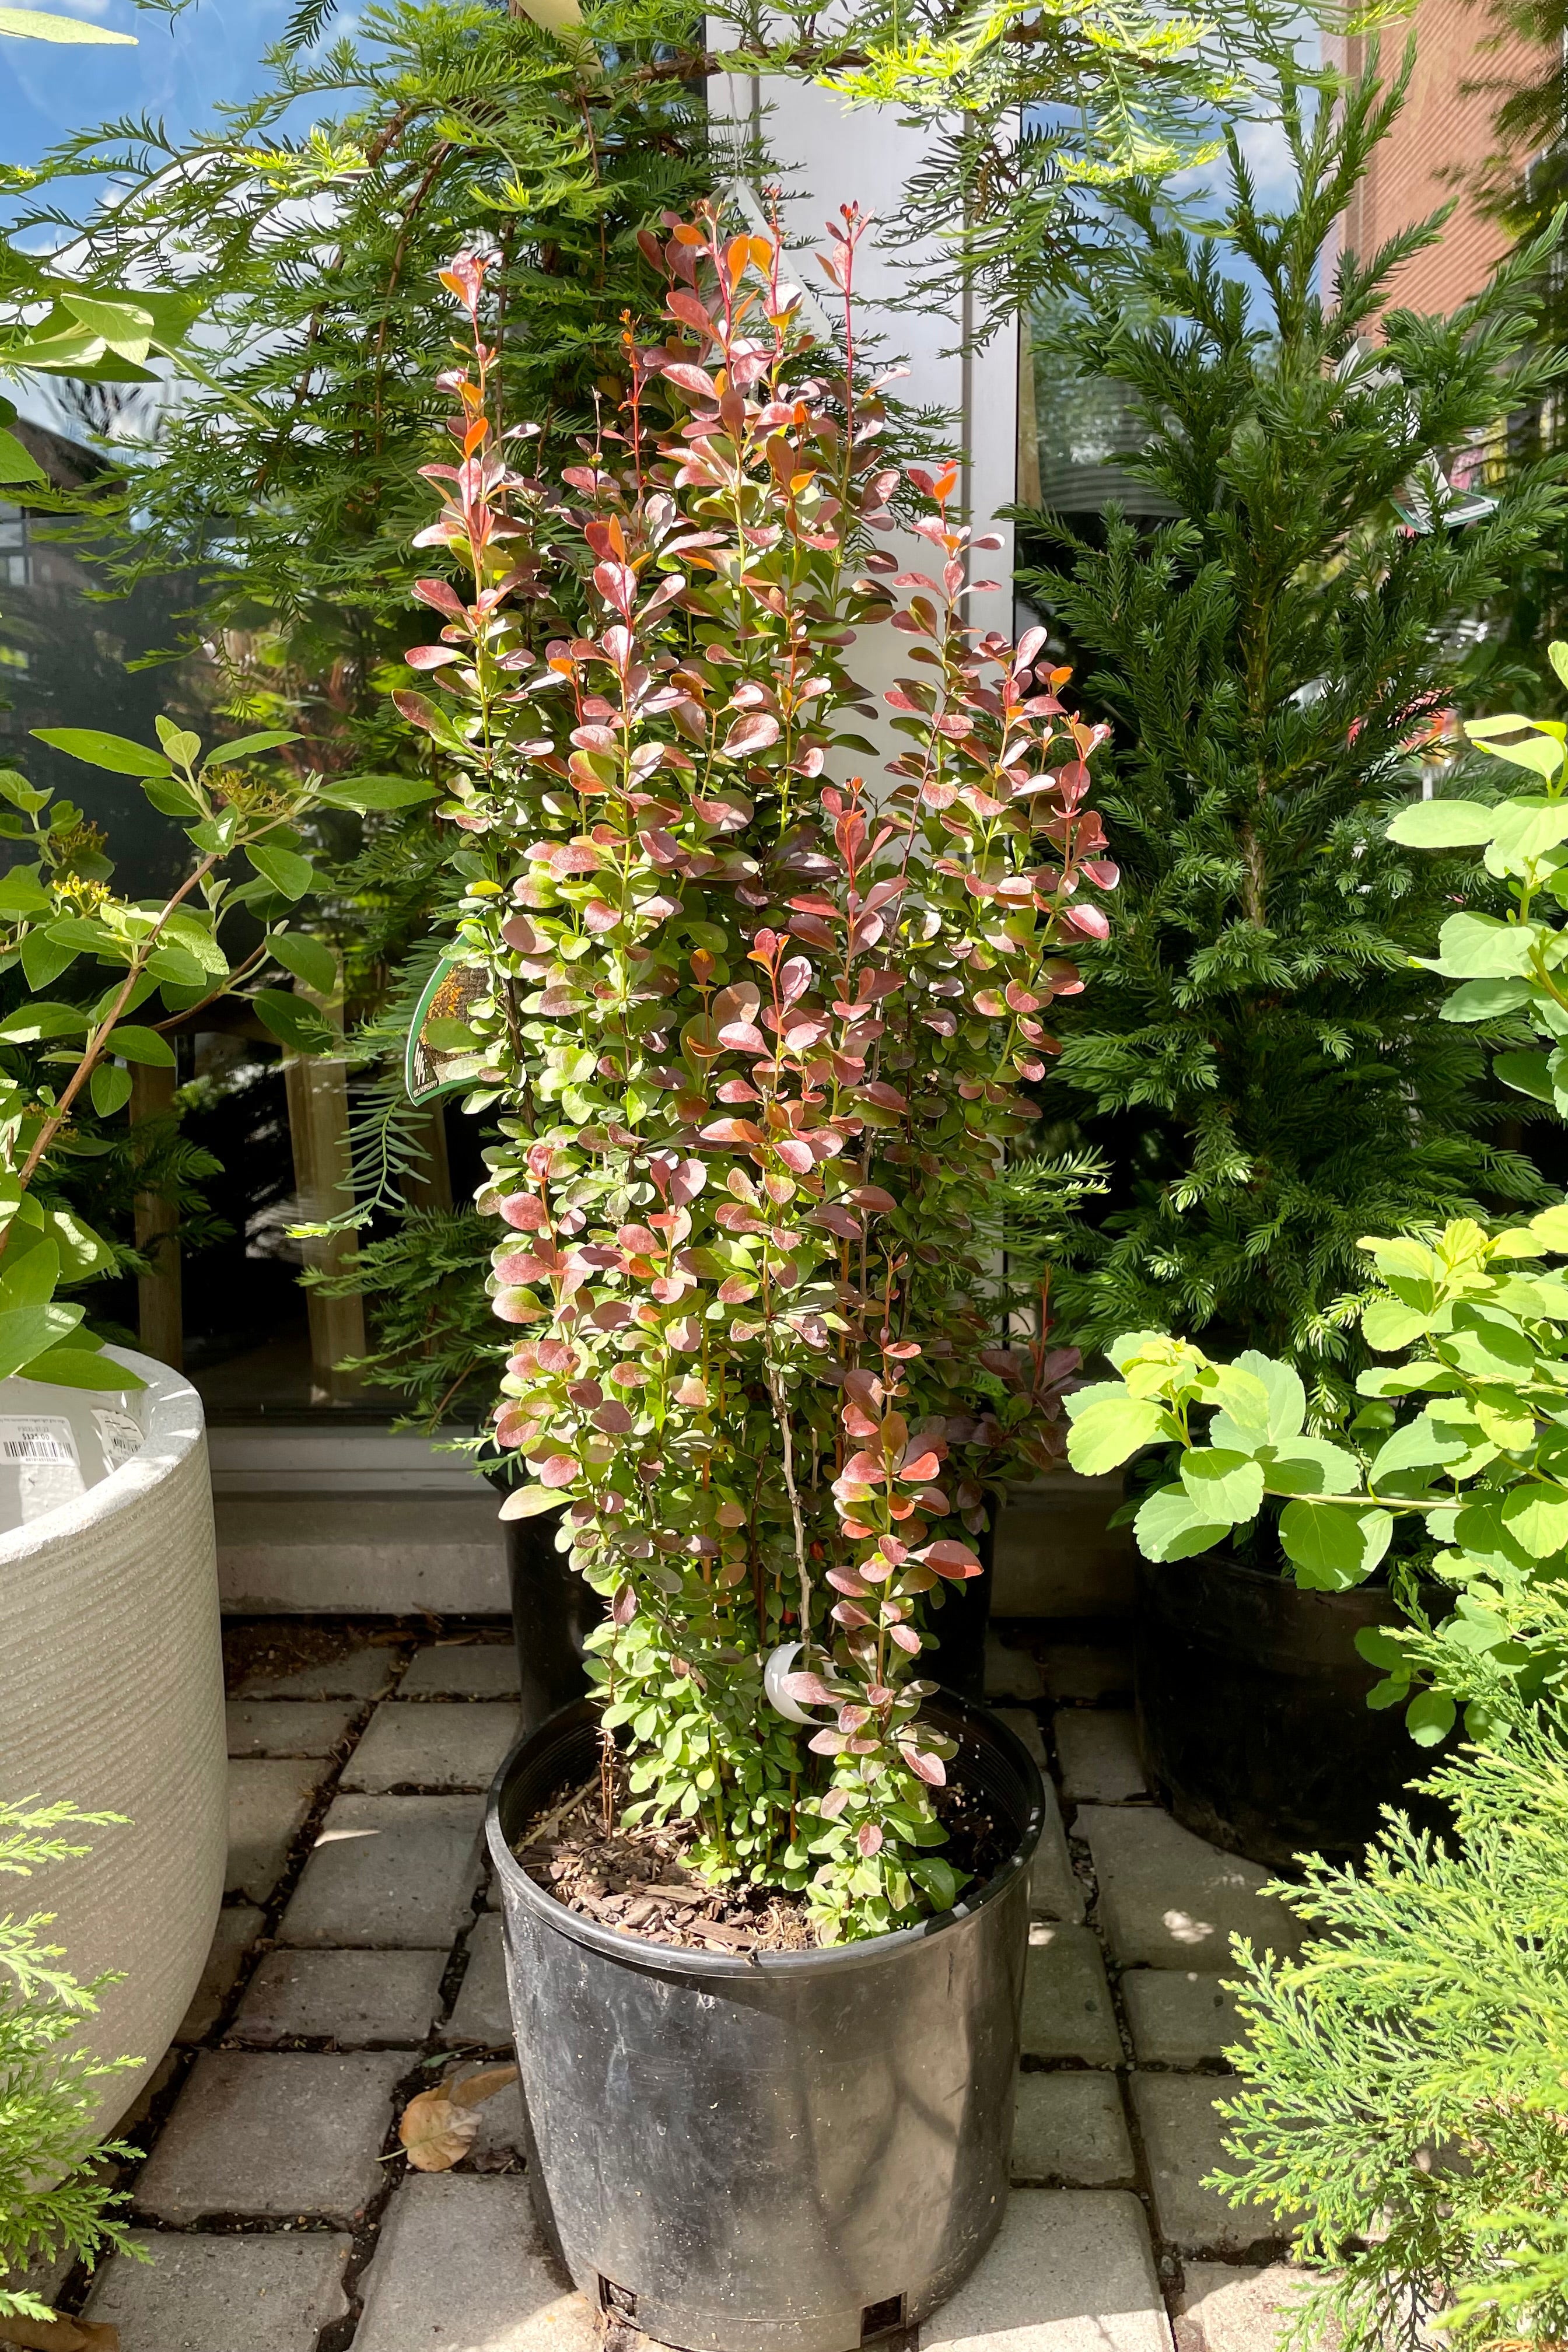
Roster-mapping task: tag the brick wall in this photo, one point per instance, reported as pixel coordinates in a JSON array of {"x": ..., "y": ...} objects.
[{"x": 1442, "y": 133}]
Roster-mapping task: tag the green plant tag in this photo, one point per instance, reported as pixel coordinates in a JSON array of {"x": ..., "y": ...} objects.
[{"x": 438, "y": 1035}]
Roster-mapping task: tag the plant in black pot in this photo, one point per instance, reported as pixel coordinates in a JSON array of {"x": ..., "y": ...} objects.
[
  {"x": 754, "y": 1040},
  {"x": 1258, "y": 1051}
]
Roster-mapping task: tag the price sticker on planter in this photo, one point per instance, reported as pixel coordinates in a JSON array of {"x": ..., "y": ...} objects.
[
  {"x": 41, "y": 1437},
  {"x": 40, "y": 1466}
]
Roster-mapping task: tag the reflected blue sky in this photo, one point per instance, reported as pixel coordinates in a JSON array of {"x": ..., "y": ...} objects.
[{"x": 180, "y": 69}]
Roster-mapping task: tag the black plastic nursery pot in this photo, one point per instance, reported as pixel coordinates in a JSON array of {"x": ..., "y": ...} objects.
[
  {"x": 1252, "y": 1712},
  {"x": 791, "y": 2151},
  {"x": 555, "y": 1609}
]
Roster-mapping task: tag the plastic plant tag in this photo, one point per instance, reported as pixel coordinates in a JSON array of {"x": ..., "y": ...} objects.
[{"x": 435, "y": 1061}]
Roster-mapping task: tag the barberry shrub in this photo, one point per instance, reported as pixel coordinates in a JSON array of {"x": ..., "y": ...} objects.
[{"x": 758, "y": 1042}]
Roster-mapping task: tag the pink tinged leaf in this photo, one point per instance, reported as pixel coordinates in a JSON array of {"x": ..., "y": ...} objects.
[
  {"x": 417, "y": 711},
  {"x": 430, "y": 657},
  {"x": 614, "y": 1419},
  {"x": 929, "y": 1769},
  {"x": 1092, "y": 921},
  {"x": 828, "y": 1743},
  {"x": 753, "y": 733},
  {"x": 524, "y": 1211},
  {"x": 952, "y": 1559},
  {"x": 833, "y": 1804},
  {"x": 559, "y": 1471},
  {"x": 869, "y": 1839},
  {"x": 907, "y": 1639},
  {"x": 808, "y": 1689},
  {"x": 625, "y": 1606},
  {"x": 837, "y": 1221},
  {"x": 844, "y": 1580},
  {"x": 442, "y": 595},
  {"x": 795, "y": 1154},
  {"x": 514, "y": 1306}
]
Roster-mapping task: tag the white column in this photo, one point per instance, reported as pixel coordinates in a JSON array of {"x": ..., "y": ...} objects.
[{"x": 829, "y": 154}]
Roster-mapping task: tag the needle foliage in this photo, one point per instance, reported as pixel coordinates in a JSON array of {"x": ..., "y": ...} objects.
[
  {"x": 1255, "y": 1045},
  {"x": 56, "y": 2193}
]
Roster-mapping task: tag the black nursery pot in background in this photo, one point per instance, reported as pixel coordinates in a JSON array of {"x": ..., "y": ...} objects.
[
  {"x": 555, "y": 1609},
  {"x": 793, "y": 2151},
  {"x": 1252, "y": 1712}
]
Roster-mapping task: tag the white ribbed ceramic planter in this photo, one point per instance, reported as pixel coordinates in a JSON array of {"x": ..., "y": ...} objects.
[{"x": 112, "y": 1694}]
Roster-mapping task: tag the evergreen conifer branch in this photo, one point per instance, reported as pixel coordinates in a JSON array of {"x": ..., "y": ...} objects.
[{"x": 1257, "y": 1045}]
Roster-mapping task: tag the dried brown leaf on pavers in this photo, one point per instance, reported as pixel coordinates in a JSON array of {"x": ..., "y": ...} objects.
[
  {"x": 59, "y": 2335},
  {"x": 439, "y": 2127}
]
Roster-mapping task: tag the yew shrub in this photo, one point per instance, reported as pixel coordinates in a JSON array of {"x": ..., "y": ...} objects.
[{"x": 756, "y": 1042}]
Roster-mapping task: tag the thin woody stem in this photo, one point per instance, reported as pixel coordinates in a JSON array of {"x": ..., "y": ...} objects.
[
  {"x": 776, "y": 1390},
  {"x": 100, "y": 1036}
]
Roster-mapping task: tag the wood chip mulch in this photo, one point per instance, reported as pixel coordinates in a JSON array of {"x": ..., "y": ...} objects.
[{"x": 637, "y": 1880}]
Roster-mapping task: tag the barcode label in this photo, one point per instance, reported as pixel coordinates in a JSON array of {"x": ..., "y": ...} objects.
[{"x": 42, "y": 1440}]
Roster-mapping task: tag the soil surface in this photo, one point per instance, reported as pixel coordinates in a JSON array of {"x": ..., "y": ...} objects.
[{"x": 638, "y": 1880}]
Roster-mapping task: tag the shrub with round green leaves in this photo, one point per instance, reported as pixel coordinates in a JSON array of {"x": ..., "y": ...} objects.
[{"x": 1465, "y": 1435}]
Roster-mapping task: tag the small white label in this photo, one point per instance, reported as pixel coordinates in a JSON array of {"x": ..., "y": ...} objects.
[
  {"x": 119, "y": 1433},
  {"x": 43, "y": 1437}
]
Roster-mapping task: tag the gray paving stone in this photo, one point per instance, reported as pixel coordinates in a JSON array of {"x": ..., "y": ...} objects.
[
  {"x": 1224, "y": 2309},
  {"x": 460, "y": 2266},
  {"x": 275, "y": 2136},
  {"x": 354, "y": 1999},
  {"x": 1178, "y": 2018},
  {"x": 462, "y": 1670},
  {"x": 1067, "y": 2001},
  {"x": 1167, "y": 1899},
  {"x": 1010, "y": 1674},
  {"x": 1099, "y": 1751},
  {"x": 280, "y": 1726},
  {"x": 268, "y": 1803},
  {"x": 1071, "y": 2271},
  {"x": 1181, "y": 2142},
  {"x": 1070, "y": 2128},
  {"x": 1087, "y": 1671},
  {"x": 1025, "y": 1724},
  {"x": 480, "y": 2012},
  {"x": 238, "y": 1926},
  {"x": 362, "y": 1674},
  {"x": 133, "y": 2123},
  {"x": 45, "y": 2278},
  {"x": 432, "y": 1745},
  {"x": 398, "y": 1871},
  {"x": 1056, "y": 1890},
  {"x": 499, "y": 2145},
  {"x": 245, "y": 2295}
]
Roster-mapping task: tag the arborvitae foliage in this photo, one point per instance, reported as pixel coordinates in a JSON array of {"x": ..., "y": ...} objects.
[
  {"x": 1254, "y": 1040},
  {"x": 1402, "y": 2105},
  {"x": 56, "y": 2193}
]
